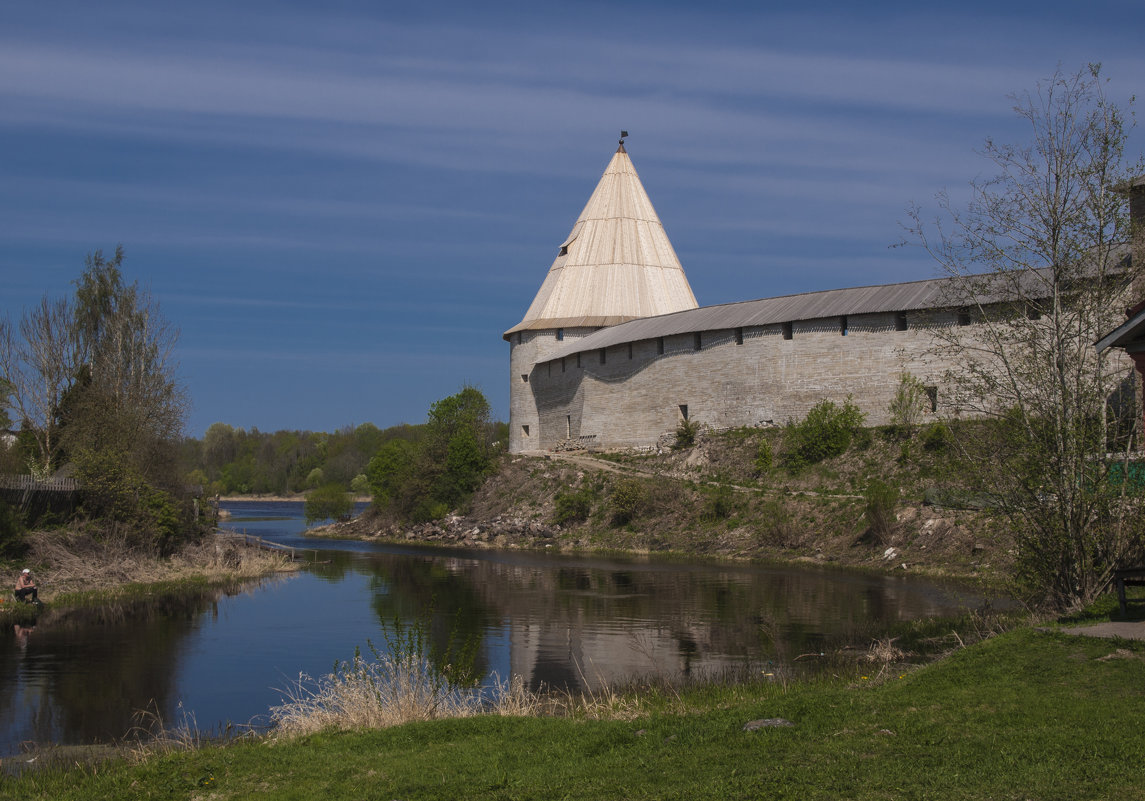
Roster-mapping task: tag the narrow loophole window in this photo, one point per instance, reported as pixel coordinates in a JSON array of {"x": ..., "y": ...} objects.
[
  {"x": 788, "y": 331},
  {"x": 739, "y": 336},
  {"x": 900, "y": 321},
  {"x": 683, "y": 411},
  {"x": 932, "y": 396},
  {"x": 525, "y": 432}
]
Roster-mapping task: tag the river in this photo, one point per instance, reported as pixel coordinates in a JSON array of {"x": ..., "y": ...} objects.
[{"x": 577, "y": 622}]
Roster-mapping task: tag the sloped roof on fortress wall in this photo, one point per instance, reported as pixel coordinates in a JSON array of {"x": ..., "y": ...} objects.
[
  {"x": 617, "y": 263},
  {"x": 928, "y": 295}
]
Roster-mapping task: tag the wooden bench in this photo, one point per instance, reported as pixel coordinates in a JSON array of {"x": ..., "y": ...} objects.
[{"x": 1134, "y": 576}]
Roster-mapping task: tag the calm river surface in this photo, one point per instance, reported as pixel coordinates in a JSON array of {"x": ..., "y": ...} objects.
[{"x": 555, "y": 620}]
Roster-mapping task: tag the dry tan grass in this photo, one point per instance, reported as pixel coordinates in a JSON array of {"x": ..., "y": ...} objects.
[
  {"x": 389, "y": 691},
  {"x": 884, "y": 651},
  {"x": 72, "y": 560}
]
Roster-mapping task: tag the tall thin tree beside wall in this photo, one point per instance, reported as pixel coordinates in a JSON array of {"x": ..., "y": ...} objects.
[{"x": 1040, "y": 262}]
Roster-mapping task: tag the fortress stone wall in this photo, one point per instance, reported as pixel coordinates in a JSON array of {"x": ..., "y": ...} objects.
[{"x": 633, "y": 393}]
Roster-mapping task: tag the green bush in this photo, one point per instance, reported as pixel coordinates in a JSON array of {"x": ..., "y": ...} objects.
[
  {"x": 572, "y": 506},
  {"x": 777, "y": 528},
  {"x": 627, "y": 501},
  {"x": 908, "y": 405},
  {"x": 825, "y": 433},
  {"x": 686, "y": 435},
  {"x": 330, "y": 501},
  {"x": 119, "y": 498},
  {"x": 720, "y": 503},
  {"x": 881, "y": 500},
  {"x": 937, "y": 437},
  {"x": 763, "y": 458}
]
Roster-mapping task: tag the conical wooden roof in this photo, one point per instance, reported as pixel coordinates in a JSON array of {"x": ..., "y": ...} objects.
[{"x": 616, "y": 265}]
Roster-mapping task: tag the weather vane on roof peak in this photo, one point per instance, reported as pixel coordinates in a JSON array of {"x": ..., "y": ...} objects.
[{"x": 623, "y": 136}]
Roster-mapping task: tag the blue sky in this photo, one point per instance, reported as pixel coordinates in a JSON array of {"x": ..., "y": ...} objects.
[{"x": 342, "y": 205}]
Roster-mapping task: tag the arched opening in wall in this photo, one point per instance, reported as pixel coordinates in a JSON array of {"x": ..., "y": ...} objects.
[
  {"x": 683, "y": 411},
  {"x": 525, "y": 432},
  {"x": 932, "y": 396},
  {"x": 900, "y": 321},
  {"x": 788, "y": 331}
]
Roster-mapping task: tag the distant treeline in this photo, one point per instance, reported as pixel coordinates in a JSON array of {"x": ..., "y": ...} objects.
[{"x": 234, "y": 461}]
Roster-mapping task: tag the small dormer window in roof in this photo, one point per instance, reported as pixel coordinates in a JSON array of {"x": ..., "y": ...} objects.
[{"x": 569, "y": 241}]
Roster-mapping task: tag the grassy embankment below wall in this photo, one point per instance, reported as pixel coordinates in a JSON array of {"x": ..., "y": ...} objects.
[
  {"x": 1027, "y": 714},
  {"x": 719, "y": 499}
]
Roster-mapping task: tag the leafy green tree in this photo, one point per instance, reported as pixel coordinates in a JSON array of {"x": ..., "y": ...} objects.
[
  {"x": 93, "y": 380},
  {"x": 360, "y": 485},
  {"x": 328, "y": 502},
  {"x": 390, "y": 470}
]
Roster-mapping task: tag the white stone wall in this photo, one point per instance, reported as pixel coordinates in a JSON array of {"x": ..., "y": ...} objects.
[
  {"x": 742, "y": 377},
  {"x": 630, "y": 400}
]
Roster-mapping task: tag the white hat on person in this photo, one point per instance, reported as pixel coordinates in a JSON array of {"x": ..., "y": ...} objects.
[{"x": 26, "y": 570}]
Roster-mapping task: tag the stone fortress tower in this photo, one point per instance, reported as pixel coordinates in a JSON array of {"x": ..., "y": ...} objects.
[{"x": 616, "y": 265}]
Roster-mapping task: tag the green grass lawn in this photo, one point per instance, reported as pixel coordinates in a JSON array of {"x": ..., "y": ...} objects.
[{"x": 1028, "y": 714}]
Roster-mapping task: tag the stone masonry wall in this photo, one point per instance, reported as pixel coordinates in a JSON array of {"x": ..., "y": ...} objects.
[
  {"x": 744, "y": 377},
  {"x": 634, "y": 393}
]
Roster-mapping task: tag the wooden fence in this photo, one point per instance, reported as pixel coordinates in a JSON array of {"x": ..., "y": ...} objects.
[
  {"x": 33, "y": 484},
  {"x": 266, "y": 545}
]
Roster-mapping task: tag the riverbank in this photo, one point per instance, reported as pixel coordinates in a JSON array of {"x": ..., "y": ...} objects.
[
  {"x": 74, "y": 569},
  {"x": 713, "y": 501},
  {"x": 1027, "y": 714}
]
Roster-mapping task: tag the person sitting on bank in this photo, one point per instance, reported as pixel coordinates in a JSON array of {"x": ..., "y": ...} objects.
[{"x": 25, "y": 586}]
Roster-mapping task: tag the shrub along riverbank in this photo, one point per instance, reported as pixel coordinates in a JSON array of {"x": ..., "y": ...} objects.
[{"x": 1027, "y": 714}]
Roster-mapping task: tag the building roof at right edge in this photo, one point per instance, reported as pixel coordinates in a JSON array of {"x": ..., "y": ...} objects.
[{"x": 616, "y": 265}]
